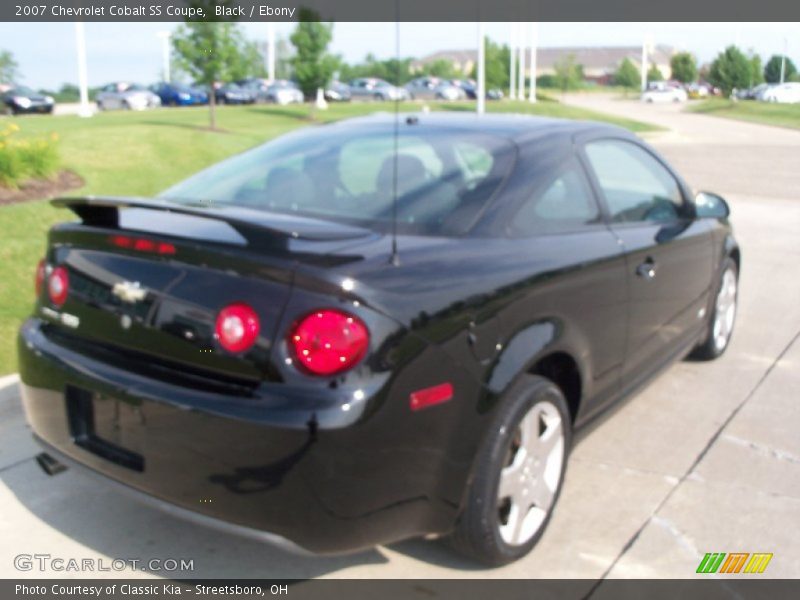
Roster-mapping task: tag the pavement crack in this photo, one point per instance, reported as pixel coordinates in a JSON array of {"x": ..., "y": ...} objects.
[{"x": 712, "y": 440}]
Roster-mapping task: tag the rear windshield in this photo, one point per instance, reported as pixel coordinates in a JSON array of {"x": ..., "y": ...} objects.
[{"x": 443, "y": 177}]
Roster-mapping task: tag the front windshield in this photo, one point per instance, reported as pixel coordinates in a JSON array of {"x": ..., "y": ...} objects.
[
  {"x": 23, "y": 91},
  {"x": 444, "y": 177}
]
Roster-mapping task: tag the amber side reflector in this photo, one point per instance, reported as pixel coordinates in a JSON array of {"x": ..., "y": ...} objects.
[{"x": 431, "y": 396}]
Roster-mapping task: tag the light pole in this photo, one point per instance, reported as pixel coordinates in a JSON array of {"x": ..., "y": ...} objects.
[
  {"x": 783, "y": 58},
  {"x": 647, "y": 43},
  {"x": 512, "y": 73},
  {"x": 165, "y": 35},
  {"x": 83, "y": 85},
  {"x": 271, "y": 51},
  {"x": 534, "y": 42},
  {"x": 522, "y": 46},
  {"x": 481, "y": 70}
]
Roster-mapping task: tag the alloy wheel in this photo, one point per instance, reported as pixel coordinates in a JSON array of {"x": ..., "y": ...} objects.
[
  {"x": 725, "y": 310},
  {"x": 532, "y": 473}
]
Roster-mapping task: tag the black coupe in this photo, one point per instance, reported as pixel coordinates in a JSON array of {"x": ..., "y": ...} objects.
[{"x": 372, "y": 330}]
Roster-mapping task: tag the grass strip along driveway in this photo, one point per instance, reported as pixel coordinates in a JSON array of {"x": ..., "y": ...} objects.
[
  {"x": 142, "y": 153},
  {"x": 766, "y": 113}
]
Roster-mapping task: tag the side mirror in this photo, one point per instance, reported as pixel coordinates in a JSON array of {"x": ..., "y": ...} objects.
[{"x": 711, "y": 206}]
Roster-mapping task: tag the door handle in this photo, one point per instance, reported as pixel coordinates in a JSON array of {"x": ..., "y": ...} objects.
[{"x": 647, "y": 270}]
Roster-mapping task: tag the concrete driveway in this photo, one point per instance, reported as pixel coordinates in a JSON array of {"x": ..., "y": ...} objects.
[{"x": 705, "y": 459}]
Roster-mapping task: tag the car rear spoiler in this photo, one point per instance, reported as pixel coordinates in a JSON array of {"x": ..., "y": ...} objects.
[{"x": 258, "y": 228}]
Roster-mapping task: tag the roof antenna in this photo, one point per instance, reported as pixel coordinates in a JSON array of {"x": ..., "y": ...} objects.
[{"x": 395, "y": 258}]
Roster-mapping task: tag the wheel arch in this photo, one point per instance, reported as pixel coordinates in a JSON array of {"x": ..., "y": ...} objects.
[{"x": 548, "y": 350}]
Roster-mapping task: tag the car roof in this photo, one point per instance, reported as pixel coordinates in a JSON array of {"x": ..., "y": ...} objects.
[{"x": 512, "y": 126}]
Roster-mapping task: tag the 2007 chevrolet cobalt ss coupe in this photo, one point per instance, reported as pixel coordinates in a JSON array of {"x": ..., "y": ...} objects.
[{"x": 377, "y": 329}]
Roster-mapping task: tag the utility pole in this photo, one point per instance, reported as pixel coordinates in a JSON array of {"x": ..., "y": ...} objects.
[
  {"x": 80, "y": 40},
  {"x": 165, "y": 35},
  {"x": 481, "y": 70},
  {"x": 512, "y": 74},
  {"x": 534, "y": 43}
]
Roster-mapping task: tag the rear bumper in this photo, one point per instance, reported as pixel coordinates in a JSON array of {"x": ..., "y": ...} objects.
[{"x": 326, "y": 485}]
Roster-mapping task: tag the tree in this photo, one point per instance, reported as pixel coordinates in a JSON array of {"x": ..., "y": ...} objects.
[
  {"x": 496, "y": 59},
  {"x": 441, "y": 68},
  {"x": 655, "y": 74},
  {"x": 569, "y": 74},
  {"x": 772, "y": 70},
  {"x": 212, "y": 53},
  {"x": 8, "y": 67},
  {"x": 756, "y": 70},
  {"x": 684, "y": 67},
  {"x": 313, "y": 66},
  {"x": 627, "y": 75},
  {"x": 731, "y": 69}
]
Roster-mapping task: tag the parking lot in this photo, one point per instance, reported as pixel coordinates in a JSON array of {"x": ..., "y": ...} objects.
[{"x": 705, "y": 459}]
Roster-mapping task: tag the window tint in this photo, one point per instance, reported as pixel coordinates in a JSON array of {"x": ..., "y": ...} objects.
[
  {"x": 563, "y": 202},
  {"x": 635, "y": 185},
  {"x": 442, "y": 178}
]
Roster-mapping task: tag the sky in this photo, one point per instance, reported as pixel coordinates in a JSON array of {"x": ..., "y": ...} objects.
[{"x": 132, "y": 51}]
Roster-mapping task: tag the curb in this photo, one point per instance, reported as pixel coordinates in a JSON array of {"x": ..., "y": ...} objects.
[{"x": 9, "y": 387}]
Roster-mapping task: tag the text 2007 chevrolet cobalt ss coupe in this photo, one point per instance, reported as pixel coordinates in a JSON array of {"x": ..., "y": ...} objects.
[{"x": 377, "y": 329}]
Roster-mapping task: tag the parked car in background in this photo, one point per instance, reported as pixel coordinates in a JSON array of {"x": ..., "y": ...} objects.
[
  {"x": 283, "y": 91},
  {"x": 782, "y": 93},
  {"x": 664, "y": 93},
  {"x": 255, "y": 86},
  {"x": 127, "y": 96},
  {"x": 20, "y": 99},
  {"x": 230, "y": 93},
  {"x": 338, "y": 92},
  {"x": 371, "y": 88},
  {"x": 176, "y": 94},
  {"x": 434, "y": 88},
  {"x": 696, "y": 91},
  {"x": 389, "y": 334},
  {"x": 470, "y": 87}
]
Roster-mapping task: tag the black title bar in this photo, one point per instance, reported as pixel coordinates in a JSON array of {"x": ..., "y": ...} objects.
[{"x": 400, "y": 10}]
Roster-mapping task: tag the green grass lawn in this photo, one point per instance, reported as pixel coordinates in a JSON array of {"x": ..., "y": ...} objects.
[
  {"x": 782, "y": 115},
  {"x": 125, "y": 153}
]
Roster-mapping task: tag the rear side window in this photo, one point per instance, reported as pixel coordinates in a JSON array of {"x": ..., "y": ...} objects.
[
  {"x": 636, "y": 187},
  {"x": 562, "y": 202}
]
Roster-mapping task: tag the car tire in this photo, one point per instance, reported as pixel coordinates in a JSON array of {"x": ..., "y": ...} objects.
[
  {"x": 493, "y": 530},
  {"x": 8, "y": 111},
  {"x": 722, "y": 316},
  {"x": 378, "y": 98},
  {"x": 125, "y": 105}
]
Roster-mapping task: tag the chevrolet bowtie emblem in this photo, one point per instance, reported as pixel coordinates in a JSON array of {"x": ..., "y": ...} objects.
[{"x": 129, "y": 291}]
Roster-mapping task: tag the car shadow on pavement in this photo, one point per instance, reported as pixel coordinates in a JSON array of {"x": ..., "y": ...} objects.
[{"x": 80, "y": 518}]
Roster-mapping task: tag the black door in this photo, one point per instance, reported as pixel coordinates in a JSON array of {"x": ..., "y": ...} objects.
[
  {"x": 668, "y": 252},
  {"x": 580, "y": 279}
]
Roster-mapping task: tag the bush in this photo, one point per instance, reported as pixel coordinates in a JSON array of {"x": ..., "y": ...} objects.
[{"x": 22, "y": 159}]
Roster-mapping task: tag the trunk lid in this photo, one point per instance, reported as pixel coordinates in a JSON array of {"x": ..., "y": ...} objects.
[{"x": 147, "y": 280}]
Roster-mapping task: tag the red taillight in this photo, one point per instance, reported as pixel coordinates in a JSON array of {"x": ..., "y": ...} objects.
[
  {"x": 237, "y": 327},
  {"x": 40, "y": 275},
  {"x": 327, "y": 342},
  {"x": 431, "y": 396},
  {"x": 142, "y": 244},
  {"x": 58, "y": 286}
]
